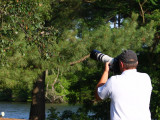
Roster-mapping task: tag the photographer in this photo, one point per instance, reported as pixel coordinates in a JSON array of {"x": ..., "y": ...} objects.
[{"x": 129, "y": 92}]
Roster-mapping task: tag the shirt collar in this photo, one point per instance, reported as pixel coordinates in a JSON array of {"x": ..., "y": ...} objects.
[{"x": 129, "y": 71}]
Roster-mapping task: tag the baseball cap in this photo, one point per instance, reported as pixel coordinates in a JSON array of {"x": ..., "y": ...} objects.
[{"x": 128, "y": 56}]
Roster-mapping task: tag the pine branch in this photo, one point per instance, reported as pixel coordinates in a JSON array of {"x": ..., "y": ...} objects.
[
  {"x": 81, "y": 60},
  {"x": 89, "y": 1},
  {"x": 55, "y": 81}
]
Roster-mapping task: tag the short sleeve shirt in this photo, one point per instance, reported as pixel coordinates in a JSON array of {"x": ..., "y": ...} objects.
[{"x": 130, "y": 95}]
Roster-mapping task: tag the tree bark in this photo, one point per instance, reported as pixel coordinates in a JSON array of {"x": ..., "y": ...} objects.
[
  {"x": 119, "y": 20},
  {"x": 142, "y": 11},
  {"x": 78, "y": 61},
  {"x": 37, "y": 110}
]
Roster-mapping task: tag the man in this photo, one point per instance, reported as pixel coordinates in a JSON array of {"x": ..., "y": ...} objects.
[{"x": 129, "y": 92}]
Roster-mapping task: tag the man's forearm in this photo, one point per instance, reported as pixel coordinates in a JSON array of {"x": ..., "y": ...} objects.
[{"x": 102, "y": 81}]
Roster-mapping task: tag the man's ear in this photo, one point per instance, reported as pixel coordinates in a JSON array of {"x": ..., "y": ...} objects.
[{"x": 121, "y": 64}]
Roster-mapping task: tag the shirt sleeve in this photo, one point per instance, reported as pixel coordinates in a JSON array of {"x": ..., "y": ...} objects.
[{"x": 104, "y": 91}]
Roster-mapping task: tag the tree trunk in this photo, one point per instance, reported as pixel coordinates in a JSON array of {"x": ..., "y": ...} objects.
[
  {"x": 119, "y": 20},
  {"x": 37, "y": 110}
]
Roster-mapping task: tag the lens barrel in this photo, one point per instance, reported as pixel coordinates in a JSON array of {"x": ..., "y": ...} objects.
[
  {"x": 113, "y": 62},
  {"x": 97, "y": 55}
]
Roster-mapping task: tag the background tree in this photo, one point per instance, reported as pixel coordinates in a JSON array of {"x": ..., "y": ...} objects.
[{"x": 38, "y": 36}]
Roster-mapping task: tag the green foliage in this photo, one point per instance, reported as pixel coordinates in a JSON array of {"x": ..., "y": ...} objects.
[
  {"x": 67, "y": 114},
  {"x": 5, "y": 94},
  {"x": 53, "y": 114},
  {"x": 43, "y": 35},
  {"x": 88, "y": 111},
  {"x": 22, "y": 56},
  {"x": 56, "y": 86}
]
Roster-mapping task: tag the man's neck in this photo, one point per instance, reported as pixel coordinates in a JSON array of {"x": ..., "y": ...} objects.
[{"x": 128, "y": 69}]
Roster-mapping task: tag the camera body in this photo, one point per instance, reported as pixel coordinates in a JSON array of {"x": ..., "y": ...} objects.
[{"x": 113, "y": 62}]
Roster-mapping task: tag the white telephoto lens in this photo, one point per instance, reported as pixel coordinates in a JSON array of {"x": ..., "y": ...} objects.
[{"x": 107, "y": 58}]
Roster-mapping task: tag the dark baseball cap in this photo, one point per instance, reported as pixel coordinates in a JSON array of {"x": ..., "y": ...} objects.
[{"x": 128, "y": 56}]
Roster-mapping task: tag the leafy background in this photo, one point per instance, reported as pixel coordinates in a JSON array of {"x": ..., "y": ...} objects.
[{"x": 48, "y": 35}]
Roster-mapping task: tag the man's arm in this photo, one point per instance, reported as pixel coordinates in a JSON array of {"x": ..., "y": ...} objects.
[{"x": 103, "y": 79}]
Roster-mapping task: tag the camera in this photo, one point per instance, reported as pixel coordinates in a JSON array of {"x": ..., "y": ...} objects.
[{"x": 113, "y": 62}]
